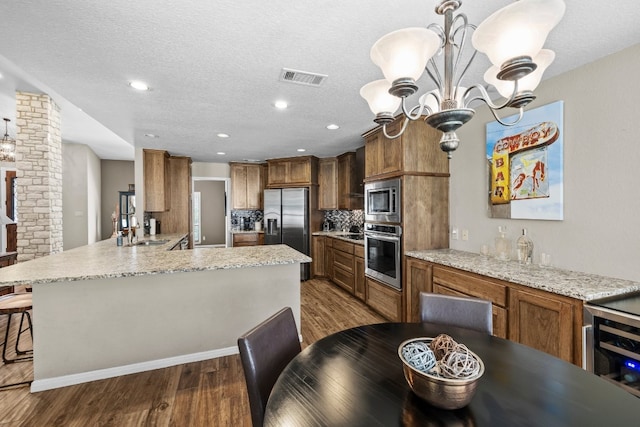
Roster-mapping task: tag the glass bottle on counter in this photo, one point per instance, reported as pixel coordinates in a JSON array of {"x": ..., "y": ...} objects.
[
  {"x": 503, "y": 245},
  {"x": 524, "y": 246}
]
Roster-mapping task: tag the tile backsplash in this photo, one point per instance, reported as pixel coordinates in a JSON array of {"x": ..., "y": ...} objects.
[
  {"x": 238, "y": 215},
  {"x": 345, "y": 219}
]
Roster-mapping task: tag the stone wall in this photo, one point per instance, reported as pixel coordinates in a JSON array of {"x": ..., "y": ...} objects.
[{"x": 39, "y": 176}]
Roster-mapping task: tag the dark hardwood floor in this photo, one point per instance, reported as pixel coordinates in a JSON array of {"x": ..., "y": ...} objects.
[{"x": 207, "y": 393}]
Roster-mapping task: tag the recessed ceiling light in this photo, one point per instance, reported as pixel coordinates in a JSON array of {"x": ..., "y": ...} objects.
[
  {"x": 222, "y": 135},
  {"x": 280, "y": 105},
  {"x": 137, "y": 84},
  {"x": 333, "y": 127},
  {"x": 221, "y": 153},
  {"x": 151, "y": 135},
  {"x": 302, "y": 150}
]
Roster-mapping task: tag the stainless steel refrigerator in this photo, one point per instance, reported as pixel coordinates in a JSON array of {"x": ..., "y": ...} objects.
[{"x": 286, "y": 221}]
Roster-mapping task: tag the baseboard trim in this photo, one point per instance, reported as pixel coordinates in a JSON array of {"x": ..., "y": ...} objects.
[{"x": 101, "y": 374}]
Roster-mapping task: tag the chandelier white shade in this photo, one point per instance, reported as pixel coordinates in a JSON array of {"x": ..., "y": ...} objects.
[
  {"x": 526, "y": 84},
  {"x": 404, "y": 53},
  {"x": 378, "y": 97},
  {"x": 519, "y": 29},
  {"x": 512, "y": 38}
]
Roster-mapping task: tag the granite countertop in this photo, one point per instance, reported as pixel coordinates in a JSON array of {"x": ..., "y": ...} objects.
[
  {"x": 583, "y": 286},
  {"x": 246, "y": 231},
  {"x": 105, "y": 259},
  {"x": 342, "y": 235}
]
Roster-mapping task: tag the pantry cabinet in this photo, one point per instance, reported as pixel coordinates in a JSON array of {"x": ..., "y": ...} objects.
[{"x": 247, "y": 185}]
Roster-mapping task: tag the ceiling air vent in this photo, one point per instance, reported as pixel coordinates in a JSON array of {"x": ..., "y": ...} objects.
[{"x": 302, "y": 77}]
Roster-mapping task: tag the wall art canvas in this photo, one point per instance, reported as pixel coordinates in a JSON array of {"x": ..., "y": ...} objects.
[{"x": 525, "y": 165}]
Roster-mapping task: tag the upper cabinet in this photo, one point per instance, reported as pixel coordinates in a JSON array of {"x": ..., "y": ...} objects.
[
  {"x": 417, "y": 151},
  {"x": 328, "y": 187},
  {"x": 292, "y": 172},
  {"x": 350, "y": 189},
  {"x": 247, "y": 185},
  {"x": 157, "y": 192}
]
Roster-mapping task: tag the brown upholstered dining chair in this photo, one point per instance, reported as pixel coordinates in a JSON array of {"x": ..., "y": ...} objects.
[
  {"x": 470, "y": 313},
  {"x": 265, "y": 351}
]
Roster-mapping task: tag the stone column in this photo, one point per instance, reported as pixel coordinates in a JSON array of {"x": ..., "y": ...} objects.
[{"x": 39, "y": 176}]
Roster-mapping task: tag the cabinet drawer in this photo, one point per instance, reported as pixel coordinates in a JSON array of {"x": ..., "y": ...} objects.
[
  {"x": 344, "y": 278},
  {"x": 384, "y": 300},
  {"x": 499, "y": 314},
  {"x": 471, "y": 285},
  {"x": 245, "y": 237},
  {"x": 343, "y": 246},
  {"x": 343, "y": 260},
  {"x": 358, "y": 250}
]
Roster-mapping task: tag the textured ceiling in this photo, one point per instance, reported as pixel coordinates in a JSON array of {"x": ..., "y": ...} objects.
[{"x": 213, "y": 66}]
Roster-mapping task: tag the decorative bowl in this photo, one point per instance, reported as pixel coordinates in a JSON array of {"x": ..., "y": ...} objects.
[{"x": 444, "y": 393}]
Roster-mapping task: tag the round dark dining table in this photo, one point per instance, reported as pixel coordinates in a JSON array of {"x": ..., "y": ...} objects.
[{"x": 354, "y": 378}]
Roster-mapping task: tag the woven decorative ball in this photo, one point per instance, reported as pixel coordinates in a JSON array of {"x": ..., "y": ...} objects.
[
  {"x": 459, "y": 363},
  {"x": 442, "y": 344},
  {"x": 419, "y": 355}
]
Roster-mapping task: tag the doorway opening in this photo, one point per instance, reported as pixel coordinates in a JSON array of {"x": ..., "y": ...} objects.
[{"x": 210, "y": 212}]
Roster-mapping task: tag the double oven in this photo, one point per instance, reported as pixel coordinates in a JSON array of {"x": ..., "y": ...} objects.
[{"x": 383, "y": 232}]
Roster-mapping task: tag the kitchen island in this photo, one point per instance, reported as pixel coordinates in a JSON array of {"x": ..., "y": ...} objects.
[{"x": 104, "y": 310}]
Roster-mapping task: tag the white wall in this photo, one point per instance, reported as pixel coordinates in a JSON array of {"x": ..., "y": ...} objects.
[
  {"x": 600, "y": 232},
  {"x": 80, "y": 195}
]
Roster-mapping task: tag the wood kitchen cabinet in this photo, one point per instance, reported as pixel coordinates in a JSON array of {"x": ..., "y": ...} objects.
[
  {"x": 543, "y": 320},
  {"x": 247, "y": 239},
  {"x": 328, "y": 183},
  {"x": 343, "y": 264},
  {"x": 157, "y": 189},
  {"x": 416, "y": 151},
  {"x": 348, "y": 183},
  {"x": 418, "y": 279},
  {"x": 359, "y": 279},
  {"x": 546, "y": 322},
  {"x": 292, "y": 172},
  {"x": 177, "y": 217},
  {"x": 318, "y": 256},
  {"x": 247, "y": 185},
  {"x": 384, "y": 299},
  {"x": 455, "y": 282},
  {"x": 328, "y": 258}
]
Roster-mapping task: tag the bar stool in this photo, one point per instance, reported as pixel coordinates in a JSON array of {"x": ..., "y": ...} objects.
[{"x": 17, "y": 303}]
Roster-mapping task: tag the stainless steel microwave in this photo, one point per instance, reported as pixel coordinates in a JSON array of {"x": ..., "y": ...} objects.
[{"x": 382, "y": 201}]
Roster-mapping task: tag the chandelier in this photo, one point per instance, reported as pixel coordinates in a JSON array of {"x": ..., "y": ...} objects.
[
  {"x": 7, "y": 145},
  {"x": 512, "y": 38}
]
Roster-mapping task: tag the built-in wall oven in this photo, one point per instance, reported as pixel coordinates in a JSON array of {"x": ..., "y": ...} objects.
[
  {"x": 382, "y": 201},
  {"x": 611, "y": 337},
  {"x": 382, "y": 253}
]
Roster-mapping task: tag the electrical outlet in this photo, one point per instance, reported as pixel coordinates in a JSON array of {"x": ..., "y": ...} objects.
[
  {"x": 204, "y": 238},
  {"x": 454, "y": 233},
  {"x": 465, "y": 234}
]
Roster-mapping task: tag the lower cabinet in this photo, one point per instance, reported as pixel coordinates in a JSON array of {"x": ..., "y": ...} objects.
[
  {"x": 341, "y": 262},
  {"x": 359, "y": 284},
  {"x": 384, "y": 299},
  {"x": 247, "y": 239},
  {"x": 318, "y": 256},
  {"x": 543, "y": 320}
]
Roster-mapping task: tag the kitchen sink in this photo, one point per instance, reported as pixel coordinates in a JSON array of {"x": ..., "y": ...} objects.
[{"x": 152, "y": 242}]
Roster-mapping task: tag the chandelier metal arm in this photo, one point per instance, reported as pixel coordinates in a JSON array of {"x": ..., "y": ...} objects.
[
  {"x": 484, "y": 97},
  {"x": 404, "y": 126}
]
